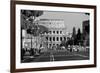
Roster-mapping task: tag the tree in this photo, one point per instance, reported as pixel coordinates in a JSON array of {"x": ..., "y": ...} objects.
[
  {"x": 27, "y": 19},
  {"x": 37, "y": 30},
  {"x": 79, "y": 36},
  {"x": 63, "y": 43},
  {"x": 28, "y": 16},
  {"x": 31, "y": 13},
  {"x": 74, "y": 32},
  {"x": 74, "y": 36}
]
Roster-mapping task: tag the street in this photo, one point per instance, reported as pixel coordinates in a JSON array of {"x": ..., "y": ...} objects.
[{"x": 57, "y": 55}]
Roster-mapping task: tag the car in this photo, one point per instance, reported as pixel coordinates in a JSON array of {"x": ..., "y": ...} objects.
[
  {"x": 42, "y": 49},
  {"x": 75, "y": 48},
  {"x": 87, "y": 48},
  {"x": 68, "y": 47},
  {"x": 63, "y": 47}
]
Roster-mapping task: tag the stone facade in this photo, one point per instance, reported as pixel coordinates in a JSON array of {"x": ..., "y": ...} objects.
[{"x": 57, "y": 33}]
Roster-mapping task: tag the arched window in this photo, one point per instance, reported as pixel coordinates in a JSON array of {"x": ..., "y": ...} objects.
[
  {"x": 57, "y": 38},
  {"x": 57, "y": 32},
  {"x": 50, "y": 32},
  {"x": 50, "y": 38},
  {"x": 60, "y": 32},
  {"x": 65, "y": 38},
  {"x": 60, "y": 38},
  {"x": 49, "y": 45},
  {"x": 46, "y": 38},
  {"x": 53, "y": 38},
  {"x": 57, "y": 44},
  {"x": 53, "y": 32}
]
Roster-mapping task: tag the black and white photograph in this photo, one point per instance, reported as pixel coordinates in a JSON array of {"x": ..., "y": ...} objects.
[{"x": 49, "y": 36}]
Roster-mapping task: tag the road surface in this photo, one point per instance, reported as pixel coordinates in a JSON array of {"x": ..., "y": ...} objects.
[{"x": 57, "y": 55}]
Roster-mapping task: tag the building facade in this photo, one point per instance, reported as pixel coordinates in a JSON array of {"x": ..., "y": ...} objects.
[
  {"x": 57, "y": 33},
  {"x": 86, "y": 32}
]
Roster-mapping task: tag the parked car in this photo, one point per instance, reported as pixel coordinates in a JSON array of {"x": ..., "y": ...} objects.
[
  {"x": 68, "y": 47},
  {"x": 42, "y": 49},
  {"x": 75, "y": 48},
  {"x": 87, "y": 48},
  {"x": 63, "y": 48}
]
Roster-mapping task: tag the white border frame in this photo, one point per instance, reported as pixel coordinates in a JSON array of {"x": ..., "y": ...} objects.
[{"x": 20, "y": 65}]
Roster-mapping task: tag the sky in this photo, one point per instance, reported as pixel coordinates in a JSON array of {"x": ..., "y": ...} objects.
[{"x": 71, "y": 19}]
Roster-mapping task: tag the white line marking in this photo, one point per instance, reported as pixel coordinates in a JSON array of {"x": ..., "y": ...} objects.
[
  {"x": 81, "y": 55},
  {"x": 52, "y": 56}
]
